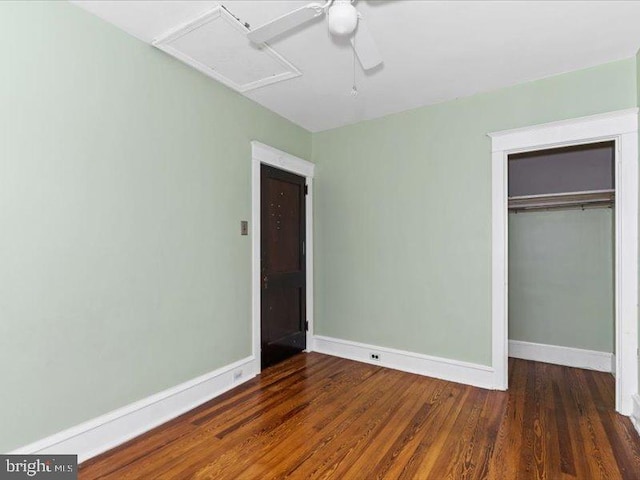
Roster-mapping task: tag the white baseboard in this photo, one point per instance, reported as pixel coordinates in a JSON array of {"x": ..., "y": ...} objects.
[
  {"x": 442, "y": 368},
  {"x": 567, "y": 356},
  {"x": 635, "y": 414},
  {"x": 107, "y": 431}
]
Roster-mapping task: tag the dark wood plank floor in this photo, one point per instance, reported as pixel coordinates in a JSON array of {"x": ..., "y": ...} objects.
[{"x": 317, "y": 416}]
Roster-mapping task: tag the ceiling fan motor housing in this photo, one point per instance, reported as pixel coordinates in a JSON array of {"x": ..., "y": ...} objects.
[{"x": 342, "y": 17}]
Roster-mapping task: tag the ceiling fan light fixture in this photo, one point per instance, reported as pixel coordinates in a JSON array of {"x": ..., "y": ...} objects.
[{"x": 343, "y": 18}]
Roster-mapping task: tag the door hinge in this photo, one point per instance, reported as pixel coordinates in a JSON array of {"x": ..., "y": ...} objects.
[
  {"x": 306, "y": 189},
  {"x": 306, "y": 325}
]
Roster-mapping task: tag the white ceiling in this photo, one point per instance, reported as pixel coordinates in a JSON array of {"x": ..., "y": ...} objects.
[{"x": 433, "y": 51}]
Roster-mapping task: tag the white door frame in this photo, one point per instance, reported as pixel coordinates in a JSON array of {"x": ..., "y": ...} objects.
[
  {"x": 621, "y": 127},
  {"x": 264, "y": 154}
]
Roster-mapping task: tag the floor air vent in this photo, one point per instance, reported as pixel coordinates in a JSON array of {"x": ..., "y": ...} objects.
[{"x": 216, "y": 44}]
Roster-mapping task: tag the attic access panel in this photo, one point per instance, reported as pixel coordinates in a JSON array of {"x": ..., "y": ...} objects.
[
  {"x": 580, "y": 168},
  {"x": 216, "y": 43}
]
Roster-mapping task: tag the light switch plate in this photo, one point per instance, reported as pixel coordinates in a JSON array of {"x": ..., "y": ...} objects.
[{"x": 244, "y": 227}]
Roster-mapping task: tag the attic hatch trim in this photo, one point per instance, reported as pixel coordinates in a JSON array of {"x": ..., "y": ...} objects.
[{"x": 163, "y": 43}]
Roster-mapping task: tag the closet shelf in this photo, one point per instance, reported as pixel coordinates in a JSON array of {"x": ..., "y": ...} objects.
[{"x": 593, "y": 198}]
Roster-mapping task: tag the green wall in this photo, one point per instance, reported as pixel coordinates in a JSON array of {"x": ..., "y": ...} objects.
[
  {"x": 561, "y": 278},
  {"x": 124, "y": 175},
  {"x": 403, "y": 212}
]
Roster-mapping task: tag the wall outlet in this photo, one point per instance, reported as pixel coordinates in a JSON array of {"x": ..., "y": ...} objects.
[
  {"x": 237, "y": 375},
  {"x": 374, "y": 356}
]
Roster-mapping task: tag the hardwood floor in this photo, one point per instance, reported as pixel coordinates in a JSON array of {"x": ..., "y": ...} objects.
[{"x": 316, "y": 416}]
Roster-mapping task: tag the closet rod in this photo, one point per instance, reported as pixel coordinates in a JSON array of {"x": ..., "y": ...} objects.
[
  {"x": 562, "y": 200},
  {"x": 586, "y": 206}
]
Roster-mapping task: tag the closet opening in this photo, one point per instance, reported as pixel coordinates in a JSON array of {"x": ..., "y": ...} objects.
[
  {"x": 621, "y": 129},
  {"x": 561, "y": 256}
]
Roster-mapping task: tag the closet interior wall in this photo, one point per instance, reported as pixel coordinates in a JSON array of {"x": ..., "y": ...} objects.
[{"x": 561, "y": 255}]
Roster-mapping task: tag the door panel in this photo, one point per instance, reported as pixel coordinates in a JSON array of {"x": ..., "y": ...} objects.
[
  {"x": 283, "y": 226},
  {"x": 282, "y": 265}
]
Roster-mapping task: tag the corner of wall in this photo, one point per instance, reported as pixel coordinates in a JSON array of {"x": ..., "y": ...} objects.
[{"x": 638, "y": 104}]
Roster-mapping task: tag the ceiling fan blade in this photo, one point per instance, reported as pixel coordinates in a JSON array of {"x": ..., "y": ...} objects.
[
  {"x": 365, "y": 46},
  {"x": 286, "y": 22}
]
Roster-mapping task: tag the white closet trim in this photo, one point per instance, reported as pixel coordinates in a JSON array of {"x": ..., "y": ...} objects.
[{"x": 622, "y": 128}]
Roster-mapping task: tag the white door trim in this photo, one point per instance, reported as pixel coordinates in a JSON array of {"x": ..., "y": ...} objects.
[
  {"x": 621, "y": 127},
  {"x": 264, "y": 154}
]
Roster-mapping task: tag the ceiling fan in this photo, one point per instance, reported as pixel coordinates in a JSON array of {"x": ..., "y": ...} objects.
[{"x": 343, "y": 20}]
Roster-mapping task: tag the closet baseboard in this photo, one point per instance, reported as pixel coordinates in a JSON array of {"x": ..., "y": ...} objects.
[{"x": 567, "y": 356}]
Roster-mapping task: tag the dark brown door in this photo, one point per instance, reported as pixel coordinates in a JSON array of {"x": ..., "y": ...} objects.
[{"x": 282, "y": 265}]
